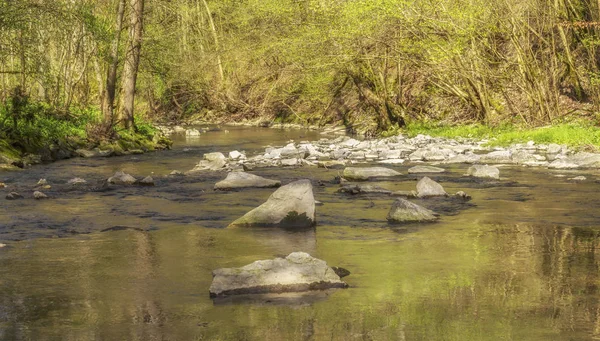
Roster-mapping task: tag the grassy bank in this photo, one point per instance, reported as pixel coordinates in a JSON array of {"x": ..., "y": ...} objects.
[{"x": 583, "y": 134}]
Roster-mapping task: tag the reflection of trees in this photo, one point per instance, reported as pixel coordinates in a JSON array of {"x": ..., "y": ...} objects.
[{"x": 547, "y": 273}]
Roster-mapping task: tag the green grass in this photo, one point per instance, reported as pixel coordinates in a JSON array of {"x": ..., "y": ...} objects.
[{"x": 572, "y": 134}]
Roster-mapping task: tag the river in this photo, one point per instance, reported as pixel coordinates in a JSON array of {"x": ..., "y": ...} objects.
[{"x": 520, "y": 261}]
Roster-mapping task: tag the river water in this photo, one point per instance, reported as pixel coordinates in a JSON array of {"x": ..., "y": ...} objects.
[{"x": 518, "y": 262}]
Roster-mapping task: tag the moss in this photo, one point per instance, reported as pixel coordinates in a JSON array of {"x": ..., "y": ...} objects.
[{"x": 7, "y": 151}]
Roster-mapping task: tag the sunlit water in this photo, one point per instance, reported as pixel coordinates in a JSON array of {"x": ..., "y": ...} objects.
[{"x": 518, "y": 262}]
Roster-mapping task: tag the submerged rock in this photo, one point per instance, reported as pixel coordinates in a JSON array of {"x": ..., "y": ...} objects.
[
  {"x": 121, "y": 178},
  {"x": 39, "y": 195},
  {"x": 425, "y": 169},
  {"x": 291, "y": 206},
  {"x": 484, "y": 171},
  {"x": 76, "y": 181},
  {"x": 176, "y": 173},
  {"x": 331, "y": 164},
  {"x": 405, "y": 194},
  {"x": 2, "y": 185},
  {"x": 245, "y": 180},
  {"x": 404, "y": 211},
  {"x": 297, "y": 272},
  {"x": 42, "y": 182},
  {"x": 366, "y": 173},
  {"x": 14, "y": 196},
  {"x": 364, "y": 189},
  {"x": 428, "y": 188}
]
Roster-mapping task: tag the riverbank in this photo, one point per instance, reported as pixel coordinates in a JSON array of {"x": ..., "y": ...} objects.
[{"x": 126, "y": 143}]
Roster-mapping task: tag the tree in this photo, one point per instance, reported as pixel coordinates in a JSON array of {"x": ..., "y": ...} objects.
[
  {"x": 108, "y": 99},
  {"x": 132, "y": 62}
]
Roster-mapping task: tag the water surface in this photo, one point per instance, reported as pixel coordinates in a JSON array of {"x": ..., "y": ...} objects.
[{"x": 518, "y": 262}]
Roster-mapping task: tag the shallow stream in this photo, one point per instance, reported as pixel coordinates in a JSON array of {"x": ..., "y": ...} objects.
[{"x": 520, "y": 261}]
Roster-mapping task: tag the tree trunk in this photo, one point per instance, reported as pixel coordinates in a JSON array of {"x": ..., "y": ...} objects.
[
  {"x": 108, "y": 99},
  {"x": 132, "y": 62},
  {"x": 213, "y": 29}
]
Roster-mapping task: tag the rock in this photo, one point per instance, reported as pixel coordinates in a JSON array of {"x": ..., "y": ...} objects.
[
  {"x": 121, "y": 178},
  {"x": 350, "y": 143},
  {"x": 404, "y": 211},
  {"x": 295, "y": 273},
  {"x": 214, "y": 156},
  {"x": 484, "y": 171},
  {"x": 291, "y": 152},
  {"x": 87, "y": 153},
  {"x": 500, "y": 156},
  {"x": 425, "y": 169},
  {"x": 14, "y": 196},
  {"x": 524, "y": 158},
  {"x": 554, "y": 149},
  {"x": 340, "y": 154},
  {"x": 42, "y": 182},
  {"x": 147, "y": 181},
  {"x": 2, "y": 185},
  {"x": 464, "y": 158},
  {"x": 392, "y": 154},
  {"x": 176, "y": 173},
  {"x": 245, "y": 180},
  {"x": 234, "y": 155},
  {"x": 578, "y": 178},
  {"x": 331, "y": 164},
  {"x": 428, "y": 188},
  {"x": 363, "y": 189},
  {"x": 211, "y": 162},
  {"x": 366, "y": 173},
  {"x": 247, "y": 168},
  {"x": 579, "y": 160},
  {"x": 304, "y": 162},
  {"x": 340, "y": 271},
  {"x": 392, "y": 161},
  {"x": 39, "y": 195},
  {"x": 291, "y": 206},
  {"x": 192, "y": 133},
  {"x": 289, "y": 162},
  {"x": 436, "y": 155},
  {"x": 462, "y": 195},
  {"x": 4, "y": 245},
  {"x": 76, "y": 181},
  {"x": 405, "y": 194}
]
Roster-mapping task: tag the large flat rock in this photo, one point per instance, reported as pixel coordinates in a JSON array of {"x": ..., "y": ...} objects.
[
  {"x": 235, "y": 180},
  {"x": 366, "y": 173},
  {"x": 297, "y": 272},
  {"x": 484, "y": 171},
  {"x": 291, "y": 206},
  {"x": 579, "y": 160}
]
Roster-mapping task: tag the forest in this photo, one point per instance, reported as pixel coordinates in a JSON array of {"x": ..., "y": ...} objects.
[{"x": 91, "y": 71}]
